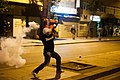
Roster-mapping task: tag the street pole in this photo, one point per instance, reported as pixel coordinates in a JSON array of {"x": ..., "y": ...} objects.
[
  {"x": 46, "y": 9},
  {"x": 48, "y": 15}
]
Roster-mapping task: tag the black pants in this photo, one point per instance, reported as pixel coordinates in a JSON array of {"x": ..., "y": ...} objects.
[{"x": 47, "y": 57}]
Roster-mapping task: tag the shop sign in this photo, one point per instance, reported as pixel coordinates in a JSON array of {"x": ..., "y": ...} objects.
[
  {"x": 64, "y": 10},
  {"x": 85, "y": 17},
  {"x": 95, "y": 18}
]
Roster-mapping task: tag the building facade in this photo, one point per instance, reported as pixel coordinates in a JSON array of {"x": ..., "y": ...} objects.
[
  {"x": 109, "y": 19},
  {"x": 24, "y": 11},
  {"x": 21, "y": 13}
]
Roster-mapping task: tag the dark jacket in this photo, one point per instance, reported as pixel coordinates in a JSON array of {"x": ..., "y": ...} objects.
[{"x": 48, "y": 42}]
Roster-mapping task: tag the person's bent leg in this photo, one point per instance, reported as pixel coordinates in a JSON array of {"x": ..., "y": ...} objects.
[
  {"x": 45, "y": 63},
  {"x": 58, "y": 60}
]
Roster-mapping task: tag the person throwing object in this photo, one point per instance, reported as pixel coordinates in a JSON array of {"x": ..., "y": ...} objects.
[{"x": 47, "y": 39}]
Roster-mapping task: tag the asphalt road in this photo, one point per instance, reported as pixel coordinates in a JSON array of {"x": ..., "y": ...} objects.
[
  {"x": 34, "y": 54},
  {"x": 34, "y": 57}
]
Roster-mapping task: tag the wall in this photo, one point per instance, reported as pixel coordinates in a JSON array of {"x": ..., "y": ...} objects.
[
  {"x": 64, "y": 31},
  {"x": 82, "y": 30},
  {"x": 19, "y": 22}
]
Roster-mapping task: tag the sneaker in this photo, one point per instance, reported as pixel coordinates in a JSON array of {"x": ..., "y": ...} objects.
[{"x": 34, "y": 74}]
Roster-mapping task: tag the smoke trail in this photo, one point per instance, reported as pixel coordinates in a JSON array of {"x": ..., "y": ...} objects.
[{"x": 11, "y": 49}]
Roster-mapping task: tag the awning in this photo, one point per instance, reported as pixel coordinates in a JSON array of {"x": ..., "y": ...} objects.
[
  {"x": 70, "y": 23},
  {"x": 107, "y": 16}
]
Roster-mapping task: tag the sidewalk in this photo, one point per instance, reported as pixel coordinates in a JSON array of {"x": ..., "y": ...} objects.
[
  {"x": 61, "y": 41},
  {"x": 109, "y": 63}
]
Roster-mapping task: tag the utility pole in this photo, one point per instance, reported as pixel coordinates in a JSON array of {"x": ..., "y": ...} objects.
[{"x": 46, "y": 9}]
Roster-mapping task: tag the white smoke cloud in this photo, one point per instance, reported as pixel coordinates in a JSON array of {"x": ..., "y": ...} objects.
[
  {"x": 34, "y": 25},
  {"x": 11, "y": 49}
]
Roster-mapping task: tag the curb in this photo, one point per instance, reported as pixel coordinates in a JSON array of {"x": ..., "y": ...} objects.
[
  {"x": 85, "y": 42},
  {"x": 70, "y": 43}
]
